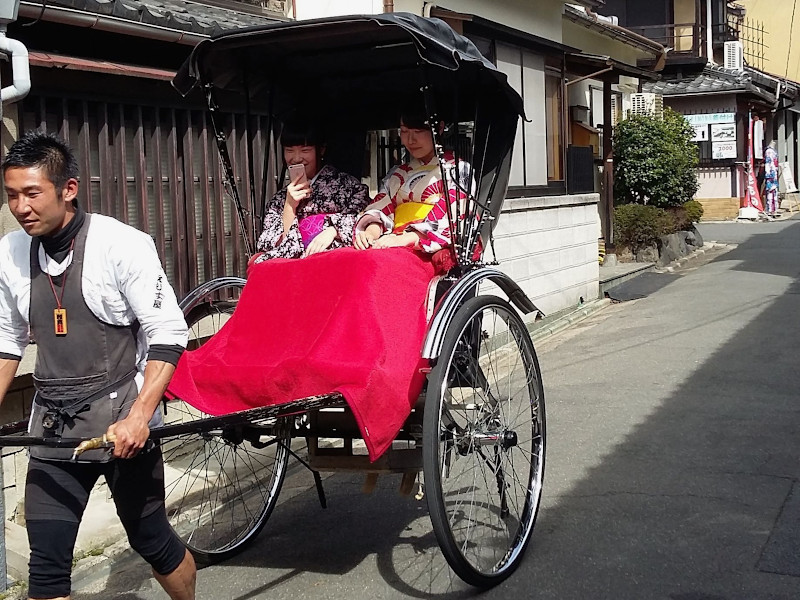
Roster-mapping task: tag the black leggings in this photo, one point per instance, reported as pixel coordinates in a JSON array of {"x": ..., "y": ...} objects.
[{"x": 56, "y": 494}]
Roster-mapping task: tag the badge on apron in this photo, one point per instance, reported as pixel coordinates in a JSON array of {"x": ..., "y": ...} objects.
[{"x": 60, "y": 321}]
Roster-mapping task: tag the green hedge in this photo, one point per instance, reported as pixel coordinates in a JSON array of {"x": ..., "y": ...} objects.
[{"x": 637, "y": 225}]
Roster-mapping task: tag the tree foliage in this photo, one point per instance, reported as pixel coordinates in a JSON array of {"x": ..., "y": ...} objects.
[{"x": 655, "y": 160}]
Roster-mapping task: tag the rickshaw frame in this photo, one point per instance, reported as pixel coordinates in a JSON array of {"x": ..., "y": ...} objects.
[{"x": 469, "y": 422}]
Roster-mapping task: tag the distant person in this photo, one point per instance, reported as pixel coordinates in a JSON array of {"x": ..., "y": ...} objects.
[
  {"x": 771, "y": 181},
  {"x": 318, "y": 208}
]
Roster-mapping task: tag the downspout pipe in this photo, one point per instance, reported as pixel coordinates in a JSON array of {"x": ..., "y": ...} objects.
[
  {"x": 20, "y": 69},
  {"x": 388, "y": 6}
]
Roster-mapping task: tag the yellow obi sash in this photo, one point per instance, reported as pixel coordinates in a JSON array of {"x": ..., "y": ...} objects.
[{"x": 409, "y": 212}]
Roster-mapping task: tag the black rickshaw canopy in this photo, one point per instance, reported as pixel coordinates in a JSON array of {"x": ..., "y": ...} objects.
[
  {"x": 359, "y": 73},
  {"x": 362, "y": 66}
]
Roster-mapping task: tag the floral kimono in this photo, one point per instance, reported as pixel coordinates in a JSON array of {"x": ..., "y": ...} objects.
[
  {"x": 336, "y": 200},
  {"x": 411, "y": 197}
]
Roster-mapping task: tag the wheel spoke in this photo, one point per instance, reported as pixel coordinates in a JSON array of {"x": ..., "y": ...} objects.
[
  {"x": 489, "y": 441},
  {"x": 220, "y": 487}
]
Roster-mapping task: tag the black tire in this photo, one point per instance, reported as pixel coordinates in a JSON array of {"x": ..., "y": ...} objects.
[
  {"x": 484, "y": 441},
  {"x": 221, "y": 485}
]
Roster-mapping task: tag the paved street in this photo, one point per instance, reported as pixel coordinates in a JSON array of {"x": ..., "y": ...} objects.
[{"x": 673, "y": 461}]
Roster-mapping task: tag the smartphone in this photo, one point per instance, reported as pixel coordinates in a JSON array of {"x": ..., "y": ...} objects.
[{"x": 297, "y": 174}]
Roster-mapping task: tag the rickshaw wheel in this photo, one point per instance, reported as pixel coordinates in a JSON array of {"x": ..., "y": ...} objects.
[
  {"x": 221, "y": 485},
  {"x": 484, "y": 441}
]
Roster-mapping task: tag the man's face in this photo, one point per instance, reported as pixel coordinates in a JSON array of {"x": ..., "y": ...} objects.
[{"x": 38, "y": 206}]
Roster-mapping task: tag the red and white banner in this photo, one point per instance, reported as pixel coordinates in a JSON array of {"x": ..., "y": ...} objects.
[{"x": 752, "y": 197}]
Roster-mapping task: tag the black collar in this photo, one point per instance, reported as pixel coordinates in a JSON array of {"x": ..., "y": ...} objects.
[{"x": 57, "y": 246}]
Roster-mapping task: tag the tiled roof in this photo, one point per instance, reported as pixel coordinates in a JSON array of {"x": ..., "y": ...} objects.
[
  {"x": 712, "y": 79},
  {"x": 194, "y": 17}
]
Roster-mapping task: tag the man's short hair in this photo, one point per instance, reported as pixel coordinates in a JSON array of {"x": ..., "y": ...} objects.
[{"x": 37, "y": 149}]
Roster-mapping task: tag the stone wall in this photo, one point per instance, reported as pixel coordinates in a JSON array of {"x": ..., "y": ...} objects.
[
  {"x": 719, "y": 209},
  {"x": 548, "y": 245}
]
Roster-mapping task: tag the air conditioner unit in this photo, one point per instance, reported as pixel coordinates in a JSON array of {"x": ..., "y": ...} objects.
[
  {"x": 648, "y": 104},
  {"x": 734, "y": 56},
  {"x": 616, "y": 109}
]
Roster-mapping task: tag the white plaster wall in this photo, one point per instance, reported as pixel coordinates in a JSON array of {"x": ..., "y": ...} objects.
[
  {"x": 714, "y": 183},
  {"x": 539, "y": 17},
  {"x": 314, "y": 9},
  {"x": 548, "y": 245}
]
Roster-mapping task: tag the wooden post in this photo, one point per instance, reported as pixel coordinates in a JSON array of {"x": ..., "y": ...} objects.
[{"x": 607, "y": 201}]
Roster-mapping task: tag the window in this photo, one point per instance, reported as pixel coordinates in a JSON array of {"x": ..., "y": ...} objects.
[
  {"x": 553, "y": 112},
  {"x": 538, "y": 150}
]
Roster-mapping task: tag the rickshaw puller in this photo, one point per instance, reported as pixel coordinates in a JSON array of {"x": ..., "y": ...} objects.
[{"x": 109, "y": 332}]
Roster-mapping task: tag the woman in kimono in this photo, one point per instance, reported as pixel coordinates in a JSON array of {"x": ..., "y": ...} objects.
[
  {"x": 411, "y": 206},
  {"x": 318, "y": 208}
]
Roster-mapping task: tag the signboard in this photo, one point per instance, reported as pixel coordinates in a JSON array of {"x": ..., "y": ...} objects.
[
  {"x": 721, "y": 150},
  {"x": 788, "y": 178},
  {"x": 711, "y": 118},
  {"x": 723, "y": 132},
  {"x": 700, "y": 133}
]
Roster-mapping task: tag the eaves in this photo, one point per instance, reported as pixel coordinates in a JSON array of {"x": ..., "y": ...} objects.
[{"x": 613, "y": 31}]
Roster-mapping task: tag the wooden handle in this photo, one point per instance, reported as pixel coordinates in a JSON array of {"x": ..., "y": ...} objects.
[{"x": 92, "y": 444}]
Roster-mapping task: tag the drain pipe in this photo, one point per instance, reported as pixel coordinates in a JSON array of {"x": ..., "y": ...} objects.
[
  {"x": 20, "y": 69},
  {"x": 388, "y": 6}
]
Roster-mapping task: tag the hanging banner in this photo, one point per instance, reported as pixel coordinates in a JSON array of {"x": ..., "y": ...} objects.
[{"x": 752, "y": 198}]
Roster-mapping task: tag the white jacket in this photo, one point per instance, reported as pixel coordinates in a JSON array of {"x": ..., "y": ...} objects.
[{"x": 122, "y": 281}]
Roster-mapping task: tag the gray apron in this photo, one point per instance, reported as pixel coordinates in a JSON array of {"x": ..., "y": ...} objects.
[{"x": 84, "y": 379}]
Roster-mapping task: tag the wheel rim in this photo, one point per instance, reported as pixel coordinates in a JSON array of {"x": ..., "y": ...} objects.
[
  {"x": 220, "y": 485},
  {"x": 491, "y": 441}
]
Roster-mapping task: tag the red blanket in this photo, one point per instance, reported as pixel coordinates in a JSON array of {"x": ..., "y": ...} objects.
[{"x": 348, "y": 321}]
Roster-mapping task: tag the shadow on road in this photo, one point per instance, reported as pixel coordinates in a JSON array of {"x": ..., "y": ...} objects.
[{"x": 694, "y": 502}]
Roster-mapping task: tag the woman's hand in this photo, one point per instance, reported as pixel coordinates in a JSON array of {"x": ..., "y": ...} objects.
[
  {"x": 397, "y": 240},
  {"x": 322, "y": 242},
  {"x": 364, "y": 239},
  {"x": 298, "y": 192}
]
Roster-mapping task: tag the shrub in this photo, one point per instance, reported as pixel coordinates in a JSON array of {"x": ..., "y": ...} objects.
[
  {"x": 655, "y": 160},
  {"x": 683, "y": 216},
  {"x": 694, "y": 210},
  {"x": 636, "y": 226}
]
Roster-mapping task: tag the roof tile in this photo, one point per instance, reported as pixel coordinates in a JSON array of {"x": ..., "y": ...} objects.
[{"x": 184, "y": 15}]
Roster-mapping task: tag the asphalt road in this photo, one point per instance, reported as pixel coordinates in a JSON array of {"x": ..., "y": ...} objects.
[{"x": 673, "y": 461}]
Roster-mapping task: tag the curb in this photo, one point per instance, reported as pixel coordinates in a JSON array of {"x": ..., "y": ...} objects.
[
  {"x": 682, "y": 261},
  {"x": 545, "y": 328}
]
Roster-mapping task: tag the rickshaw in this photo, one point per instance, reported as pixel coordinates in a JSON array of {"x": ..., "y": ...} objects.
[{"x": 477, "y": 432}]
